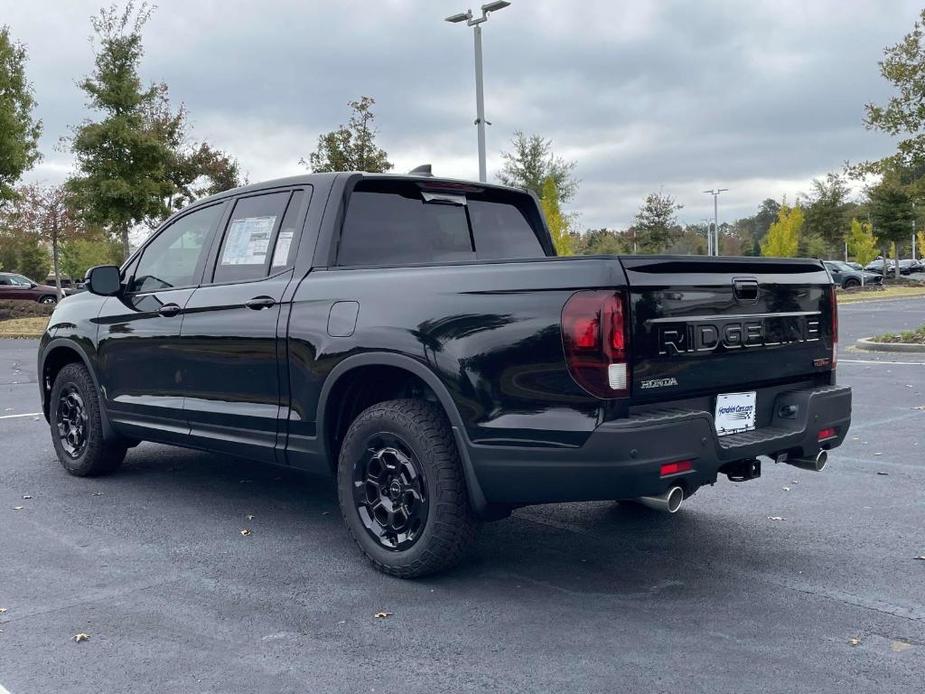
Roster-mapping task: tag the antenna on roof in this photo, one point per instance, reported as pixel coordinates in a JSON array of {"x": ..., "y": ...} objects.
[{"x": 422, "y": 170}]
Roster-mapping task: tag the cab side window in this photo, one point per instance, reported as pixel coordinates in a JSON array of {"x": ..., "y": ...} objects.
[{"x": 174, "y": 258}]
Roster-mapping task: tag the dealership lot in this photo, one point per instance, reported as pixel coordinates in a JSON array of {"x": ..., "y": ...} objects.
[{"x": 809, "y": 581}]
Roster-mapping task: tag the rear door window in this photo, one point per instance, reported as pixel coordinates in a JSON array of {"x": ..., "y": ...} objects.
[
  {"x": 248, "y": 244},
  {"x": 502, "y": 230}
]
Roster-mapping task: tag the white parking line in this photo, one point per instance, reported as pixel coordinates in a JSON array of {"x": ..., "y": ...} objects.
[
  {"x": 15, "y": 416},
  {"x": 871, "y": 361},
  {"x": 4, "y": 690}
]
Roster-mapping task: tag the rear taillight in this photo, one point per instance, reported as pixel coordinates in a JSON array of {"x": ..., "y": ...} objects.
[
  {"x": 595, "y": 339},
  {"x": 834, "y": 299}
]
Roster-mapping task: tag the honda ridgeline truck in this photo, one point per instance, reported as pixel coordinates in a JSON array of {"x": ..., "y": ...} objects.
[{"x": 418, "y": 340}]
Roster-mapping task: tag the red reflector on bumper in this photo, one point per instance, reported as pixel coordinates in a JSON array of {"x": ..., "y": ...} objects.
[
  {"x": 675, "y": 468},
  {"x": 829, "y": 433}
]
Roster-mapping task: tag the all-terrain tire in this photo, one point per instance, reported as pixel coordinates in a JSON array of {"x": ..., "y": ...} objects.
[
  {"x": 94, "y": 456},
  {"x": 449, "y": 528}
]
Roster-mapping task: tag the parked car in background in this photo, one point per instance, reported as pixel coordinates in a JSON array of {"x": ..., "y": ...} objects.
[
  {"x": 907, "y": 267},
  {"x": 68, "y": 286},
  {"x": 878, "y": 266},
  {"x": 847, "y": 277},
  {"x": 14, "y": 286},
  {"x": 918, "y": 265}
]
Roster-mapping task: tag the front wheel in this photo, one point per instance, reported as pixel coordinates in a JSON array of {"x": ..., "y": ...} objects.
[
  {"x": 77, "y": 427},
  {"x": 402, "y": 491},
  {"x": 48, "y": 300},
  {"x": 851, "y": 283}
]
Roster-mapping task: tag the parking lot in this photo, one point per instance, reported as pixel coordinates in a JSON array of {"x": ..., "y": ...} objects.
[{"x": 795, "y": 582}]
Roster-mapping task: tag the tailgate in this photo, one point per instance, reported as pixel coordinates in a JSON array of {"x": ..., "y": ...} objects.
[{"x": 716, "y": 325}]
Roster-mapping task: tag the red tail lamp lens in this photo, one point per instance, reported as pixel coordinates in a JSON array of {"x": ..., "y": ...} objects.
[
  {"x": 675, "y": 468},
  {"x": 594, "y": 337},
  {"x": 828, "y": 433}
]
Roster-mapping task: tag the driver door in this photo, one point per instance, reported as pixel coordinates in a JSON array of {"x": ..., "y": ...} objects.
[{"x": 139, "y": 348}]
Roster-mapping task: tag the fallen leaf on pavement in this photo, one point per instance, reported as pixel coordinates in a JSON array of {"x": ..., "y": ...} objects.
[
  {"x": 878, "y": 453},
  {"x": 18, "y": 508},
  {"x": 900, "y": 646},
  {"x": 786, "y": 489},
  {"x": 81, "y": 637},
  {"x": 246, "y": 532},
  {"x": 921, "y": 558},
  {"x": 855, "y": 641},
  {"x": 26, "y": 496},
  {"x": 884, "y": 474},
  {"x": 776, "y": 518},
  {"x": 249, "y": 516},
  {"x": 2, "y": 610},
  {"x": 383, "y": 615},
  {"x": 97, "y": 493}
]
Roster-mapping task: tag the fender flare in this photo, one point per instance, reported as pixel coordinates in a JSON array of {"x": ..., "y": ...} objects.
[
  {"x": 476, "y": 496},
  {"x": 67, "y": 343}
]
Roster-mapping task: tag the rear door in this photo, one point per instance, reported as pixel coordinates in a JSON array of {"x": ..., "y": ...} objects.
[
  {"x": 230, "y": 338},
  {"x": 720, "y": 325}
]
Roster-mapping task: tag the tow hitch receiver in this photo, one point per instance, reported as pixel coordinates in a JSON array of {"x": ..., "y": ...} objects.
[{"x": 742, "y": 470}]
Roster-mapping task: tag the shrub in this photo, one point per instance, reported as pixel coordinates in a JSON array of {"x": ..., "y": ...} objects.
[{"x": 23, "y": 309}]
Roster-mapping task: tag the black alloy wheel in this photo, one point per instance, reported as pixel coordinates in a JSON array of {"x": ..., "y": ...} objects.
[
  {"x": 390, "y": 492},
  {"x": 72, "y": 422}
]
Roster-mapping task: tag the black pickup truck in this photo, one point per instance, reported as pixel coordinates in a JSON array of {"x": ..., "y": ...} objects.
[{"x": 419, "y": 340}]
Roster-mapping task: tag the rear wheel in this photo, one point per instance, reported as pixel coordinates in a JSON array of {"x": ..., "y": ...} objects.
[
  {"x": 402, "y": 491},
  {"x": 77, "y": 428}
]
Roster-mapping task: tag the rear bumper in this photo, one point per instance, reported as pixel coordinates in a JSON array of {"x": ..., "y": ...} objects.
[{"x": 622, "y": 459}]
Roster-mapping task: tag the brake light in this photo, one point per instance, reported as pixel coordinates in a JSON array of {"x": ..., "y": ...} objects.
[
  {"x": 594, "y": 338},
  {"x": 834, "y": 298}
]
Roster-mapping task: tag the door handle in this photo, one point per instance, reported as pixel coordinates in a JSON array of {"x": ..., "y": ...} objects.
[
  {"x": 169, "y": 310},
  {"x": 259, "y": 303}
]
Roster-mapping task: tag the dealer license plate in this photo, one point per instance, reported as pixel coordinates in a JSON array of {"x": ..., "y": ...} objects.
[{"x": 735, "y": 413}]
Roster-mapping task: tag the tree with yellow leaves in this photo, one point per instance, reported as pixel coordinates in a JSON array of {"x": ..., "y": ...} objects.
[
  {"x": 783, "y": 238},
  {"x": 559, "y": 224},
  {"x": 862, "y": 244}
]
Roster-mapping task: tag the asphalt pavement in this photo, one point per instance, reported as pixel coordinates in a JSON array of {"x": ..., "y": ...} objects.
[{"x": 796, "y": 582}]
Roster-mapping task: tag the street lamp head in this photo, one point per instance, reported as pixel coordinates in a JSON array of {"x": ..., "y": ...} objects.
[
  {"x": 460, "y": 17},
  {"x": 495, "y": 6}
]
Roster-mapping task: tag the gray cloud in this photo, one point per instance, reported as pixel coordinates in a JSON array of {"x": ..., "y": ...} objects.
[{"x": 757, "y": 97}]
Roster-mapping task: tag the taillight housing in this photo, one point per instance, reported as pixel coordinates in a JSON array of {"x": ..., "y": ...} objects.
[
  {"x": 834, "y": 299},
  {"x": 595, "y": 334}
]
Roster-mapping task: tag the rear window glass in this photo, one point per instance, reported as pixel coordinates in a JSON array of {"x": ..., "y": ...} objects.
[{"x": 396, "y": 222}]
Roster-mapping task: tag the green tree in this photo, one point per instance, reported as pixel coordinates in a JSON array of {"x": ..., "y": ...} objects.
[
  {"x": 123, "y": 160},
  {"x": 34, "y": 262},
  {"x": 862, "y": 244},
  {"x": 891, "y": 212},
  {"x": 826, "y": 213},
  {"x": 656, "y": 224},
  {"x": 352, "y": 147},
  {"x": 559, "y": 224},
  {"x": 19, "y": 131},
  {"x": 531, "y": 162},
  {"x": 902, "y": 116},
  {"x": 783, "y": 237},
  {"x": 599, "y": 242},
  {"x": 81, "y": 253}
]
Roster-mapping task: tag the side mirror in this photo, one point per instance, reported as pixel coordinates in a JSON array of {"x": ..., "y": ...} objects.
[{"x": 104, "y": 280}]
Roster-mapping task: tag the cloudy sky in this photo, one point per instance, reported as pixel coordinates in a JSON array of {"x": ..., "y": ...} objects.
[{"x": 757, "y": 97}]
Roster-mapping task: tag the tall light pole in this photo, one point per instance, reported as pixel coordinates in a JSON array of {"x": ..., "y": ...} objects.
[
  {"x": 715, "y": 193},
  {"x": 476, "y": 24}
]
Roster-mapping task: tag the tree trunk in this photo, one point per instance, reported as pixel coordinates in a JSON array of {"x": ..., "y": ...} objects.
[
  {"x": 126, "y": 249},
  {"x": 54, "y": 262}
]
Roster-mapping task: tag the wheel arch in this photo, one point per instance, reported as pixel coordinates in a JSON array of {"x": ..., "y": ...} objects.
[
  {"x": 350, "y": 370},
  {"x": 57, "y": 354}
]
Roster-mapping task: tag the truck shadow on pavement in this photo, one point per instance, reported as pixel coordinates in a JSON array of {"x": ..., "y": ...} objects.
[{"x": 618, "y": 549}]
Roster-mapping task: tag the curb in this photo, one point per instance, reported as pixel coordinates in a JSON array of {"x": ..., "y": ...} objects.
[{"x": 868, "y": 345}]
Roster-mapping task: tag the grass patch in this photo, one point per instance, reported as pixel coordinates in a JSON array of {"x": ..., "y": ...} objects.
[
  {"x": 888, "y": 293},
  {"x": 915, "y": 337},
  {"x": 23, "y": 327}
]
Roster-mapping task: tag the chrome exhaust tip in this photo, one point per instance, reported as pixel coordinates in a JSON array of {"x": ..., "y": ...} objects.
[
  {"x": 669, "y": 502},
  {"x": 816, "y": 464}
]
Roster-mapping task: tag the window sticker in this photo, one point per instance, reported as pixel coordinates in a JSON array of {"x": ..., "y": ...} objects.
[
  {"x": 283, "y": 243},
  {"x": 248, "y": 241}
]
